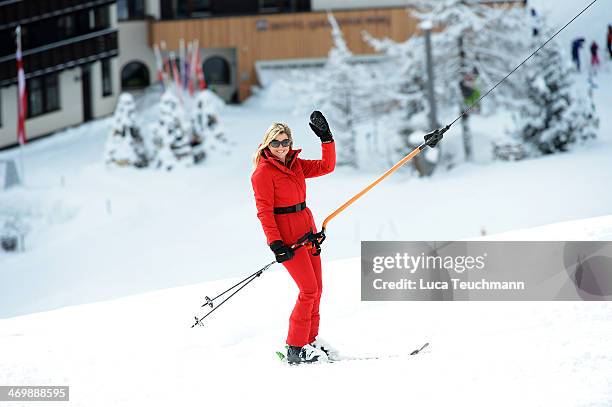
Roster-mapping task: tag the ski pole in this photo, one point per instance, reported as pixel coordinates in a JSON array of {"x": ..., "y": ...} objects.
[
  {"x": 210, "y": 301},
  {"x": 198, "y": 321}
]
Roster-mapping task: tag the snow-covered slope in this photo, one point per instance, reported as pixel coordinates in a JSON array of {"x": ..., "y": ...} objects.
[{"x": 140, "y": 350}]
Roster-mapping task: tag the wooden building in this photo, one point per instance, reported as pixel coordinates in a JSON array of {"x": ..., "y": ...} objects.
[{"x": 244, "y": 40}]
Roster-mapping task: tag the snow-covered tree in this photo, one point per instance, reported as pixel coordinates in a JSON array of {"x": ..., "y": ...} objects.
[
  {"x": 554, "y": 113},
  {"x": 481, "y": 40},
  {"x": 124, "y": 145},
  {"x": 208, "y": 133},
  {"x": 333, "y": 91},
  {"x": 172, "y": 135},
  {"x": 408, "y": 78},
  {"x": 348, "y": 93},
  {"x": 473, "y": 46}
]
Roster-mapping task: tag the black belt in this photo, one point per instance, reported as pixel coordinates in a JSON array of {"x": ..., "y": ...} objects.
[{"x": 290, "y": 209}]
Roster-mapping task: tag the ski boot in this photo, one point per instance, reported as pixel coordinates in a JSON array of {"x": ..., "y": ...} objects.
[
  {"x": 325, "y": 347},
  {"x": 305, "y": 354}
]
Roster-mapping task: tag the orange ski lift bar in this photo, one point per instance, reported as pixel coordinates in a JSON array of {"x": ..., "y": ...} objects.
[{"x": 431, "y": 139}]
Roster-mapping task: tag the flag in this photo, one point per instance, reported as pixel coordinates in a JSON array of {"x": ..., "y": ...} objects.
[
  {"x": 187, "y": 78},
  {"x": 181, "y": 64},
  {"x": 175, "y": 71},
  {"x": 21, "y": 95},
  {"x": 166, "y": 62},
  {"x": 192, "y": 67},
  {"x": 199, "y": 71},
  {"x": 160, "y": 66}
]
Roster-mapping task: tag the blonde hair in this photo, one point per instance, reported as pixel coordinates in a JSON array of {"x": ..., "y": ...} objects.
[{"x": 274, "y": 130}]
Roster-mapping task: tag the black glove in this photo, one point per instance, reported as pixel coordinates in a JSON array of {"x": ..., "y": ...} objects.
[
  {"x": 281, "y": 251},
  {"x": 319, "y": 125}
]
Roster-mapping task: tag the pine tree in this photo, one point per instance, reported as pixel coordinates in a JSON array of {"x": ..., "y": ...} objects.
[
  {"x": 473, "y": 45},
  {"x": 125, "y": 146},
  {"x": 208, "y": 131},
  {"x": 493, "y": 40},
  {"x": 408, "y": 79},
  {"x": 348, "y": 93},
  {"x": 172, "y": 135},
  {"x": 554, "y": 114}
]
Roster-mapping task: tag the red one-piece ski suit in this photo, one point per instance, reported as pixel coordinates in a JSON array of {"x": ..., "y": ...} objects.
[{"x": 278, "y": 185}]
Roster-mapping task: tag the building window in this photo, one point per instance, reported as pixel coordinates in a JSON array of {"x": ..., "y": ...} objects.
[
  {"x": 167, "y": 9},
  {"x": 57, "y": 28},
  {"x": 43, "y": 95},
  {"x": 84, "y": 22},
  {"x": 134, "y": 75},
  {"x": 200, "y": 8},
  {"x": 101, "y": 18},
  {"x": 216, "y": 71},
  {"x": 130, "y": 10},
  {"x": 275, "y": 6},
  {"x": 66, "y": 26},
  {"x": 171, "y": 9},
  {"x": 193, "y": 8},
  {"x": 107, "y": 77}
]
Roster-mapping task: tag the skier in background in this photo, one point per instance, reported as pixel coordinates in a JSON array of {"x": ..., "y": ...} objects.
[
  {"x": 469, "y": 90},
  {"x": 576, "y": 45},
  {"x": 535, "y": 30},
  {"x": 279, "y": 185},
  {"x": 594, "y": 55}
]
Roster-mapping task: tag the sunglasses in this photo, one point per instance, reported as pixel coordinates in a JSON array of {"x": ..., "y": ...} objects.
[{"x": 277, "y": 143}]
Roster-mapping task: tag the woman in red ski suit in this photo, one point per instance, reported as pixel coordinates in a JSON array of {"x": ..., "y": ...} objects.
[{"x": 279, "y": 185}]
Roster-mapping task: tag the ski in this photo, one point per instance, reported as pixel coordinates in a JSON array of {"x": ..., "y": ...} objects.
[
  {"x": 283, "y": 358},
  {"x": 379, "y": 357}
]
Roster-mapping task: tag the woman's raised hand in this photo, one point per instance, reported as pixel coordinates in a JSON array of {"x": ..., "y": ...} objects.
[{"x": 319, "y": 126}]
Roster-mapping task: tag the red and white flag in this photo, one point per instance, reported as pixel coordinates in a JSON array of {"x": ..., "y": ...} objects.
[
  {"x": 175, "y": 71},
  {"x": 21, "y": 83},
  {"x": 199, "y": 71}
]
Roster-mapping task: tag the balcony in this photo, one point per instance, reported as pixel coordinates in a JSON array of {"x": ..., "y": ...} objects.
[
  {"x": 27, "y": 11},
  {"x": 61, "y": 55}
]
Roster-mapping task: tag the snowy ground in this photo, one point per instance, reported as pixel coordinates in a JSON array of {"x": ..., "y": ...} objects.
[{"x": 140, "y": 350}]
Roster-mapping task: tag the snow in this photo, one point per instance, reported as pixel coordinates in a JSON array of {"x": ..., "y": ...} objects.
[
  {"x": 118, "y": 261},
  {"x": 426, "y": 25},
  {"x": 141, "y": 350}
]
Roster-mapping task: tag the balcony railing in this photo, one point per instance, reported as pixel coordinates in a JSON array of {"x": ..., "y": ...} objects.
[
  {"x": 27, "y": 11},
  {"x": 61, "y": 55}
]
